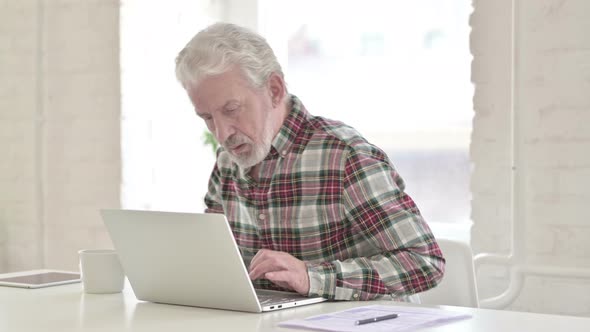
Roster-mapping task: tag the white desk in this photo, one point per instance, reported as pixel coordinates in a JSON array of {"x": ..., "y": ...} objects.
[{"x": 67, "y": 308}]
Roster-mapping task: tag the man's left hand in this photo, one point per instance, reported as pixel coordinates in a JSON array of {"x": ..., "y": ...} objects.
[{"x": 280, "y": 268}]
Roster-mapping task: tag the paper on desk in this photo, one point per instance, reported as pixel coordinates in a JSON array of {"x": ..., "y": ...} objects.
[{"x": 408, "y": 318}]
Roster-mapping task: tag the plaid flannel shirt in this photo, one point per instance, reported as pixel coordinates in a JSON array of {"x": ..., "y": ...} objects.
[{"x": 328, "y": 197}]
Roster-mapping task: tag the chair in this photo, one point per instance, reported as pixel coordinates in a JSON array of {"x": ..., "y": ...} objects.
[{"x": 458, "y": 286}]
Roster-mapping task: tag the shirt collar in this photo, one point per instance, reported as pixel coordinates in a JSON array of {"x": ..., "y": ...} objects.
[
  {"x": 286, "y": 137},
  {"x": 295, "y": 121}
]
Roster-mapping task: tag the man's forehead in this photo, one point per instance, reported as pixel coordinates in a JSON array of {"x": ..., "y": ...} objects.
[
  {"x": 207, "y": 99},
  {"x": 215, "y": 92}
]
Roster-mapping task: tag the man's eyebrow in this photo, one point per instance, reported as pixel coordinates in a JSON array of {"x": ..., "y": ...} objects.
[
  {"x": 224, "y": 106},
  {"x": 201, "y": 114},
  {"x": 231, "y": 101}
]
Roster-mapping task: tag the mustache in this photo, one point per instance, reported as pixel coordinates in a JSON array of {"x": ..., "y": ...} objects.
[{"x": 235, "y": 140}]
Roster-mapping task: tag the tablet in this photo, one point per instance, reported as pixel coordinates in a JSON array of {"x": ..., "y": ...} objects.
[{"x": 39, "y": 278}]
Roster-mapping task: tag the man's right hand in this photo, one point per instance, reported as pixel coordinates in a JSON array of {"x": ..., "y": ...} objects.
[{"x": 282, "y": 269}]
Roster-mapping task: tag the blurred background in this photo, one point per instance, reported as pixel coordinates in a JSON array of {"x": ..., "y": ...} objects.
[{"x": 483, "y": 107}]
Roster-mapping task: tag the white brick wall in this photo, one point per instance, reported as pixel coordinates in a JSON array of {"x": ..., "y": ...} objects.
[
  {"x": 17, "y": 133},
  {"x": 552, "y": 91},
  {"x": 59, "y": 63},
  {"x": 490, "y": 141}
]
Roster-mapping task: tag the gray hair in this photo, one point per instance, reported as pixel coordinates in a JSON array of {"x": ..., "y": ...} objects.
[{"x": 219, "y": 47}]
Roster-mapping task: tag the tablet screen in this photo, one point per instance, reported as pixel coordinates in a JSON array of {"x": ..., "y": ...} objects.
[{"x": 42, "y": 278}]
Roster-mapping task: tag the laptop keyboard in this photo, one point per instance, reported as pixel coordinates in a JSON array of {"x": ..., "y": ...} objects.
[{"x": 266, "y": 298}]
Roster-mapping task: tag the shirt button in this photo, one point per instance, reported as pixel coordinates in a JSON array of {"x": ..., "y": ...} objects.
[
  {"x": 284, "y": 153},
  {"x": 261, "y": 216},
  {"x": 356, "y": 296}
]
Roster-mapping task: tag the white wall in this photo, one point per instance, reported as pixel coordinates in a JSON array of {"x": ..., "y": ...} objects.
[
  {"x": 59, "y": 129},
  {"x": 18, "y": 107},
  {"x": 546, "y": 139}
]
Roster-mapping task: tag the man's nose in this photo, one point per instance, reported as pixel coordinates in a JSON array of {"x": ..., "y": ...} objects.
[{"x": 224, "y": 131}]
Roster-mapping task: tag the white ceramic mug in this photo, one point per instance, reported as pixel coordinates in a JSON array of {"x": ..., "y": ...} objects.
[{"x": 101, "y": 271}]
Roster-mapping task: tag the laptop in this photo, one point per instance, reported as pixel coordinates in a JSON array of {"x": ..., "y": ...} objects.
[{"x": 189, "y": 259}]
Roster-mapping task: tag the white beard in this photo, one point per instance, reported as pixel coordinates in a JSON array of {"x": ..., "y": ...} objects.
[{"x": 258, "y": 152}]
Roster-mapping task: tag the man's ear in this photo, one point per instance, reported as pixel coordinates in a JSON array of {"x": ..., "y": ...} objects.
[{"x": 277, "y": 89}]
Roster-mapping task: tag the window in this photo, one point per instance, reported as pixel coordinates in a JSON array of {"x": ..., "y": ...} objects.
[
  {"x": 165, "y": 163},
  {"x": 399, "y": 72}
]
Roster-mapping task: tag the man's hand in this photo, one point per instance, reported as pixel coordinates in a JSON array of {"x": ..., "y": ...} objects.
[{"x": 280, "y": 268}]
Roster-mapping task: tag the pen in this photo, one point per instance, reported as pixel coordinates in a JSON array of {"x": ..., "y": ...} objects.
[{"x": 375, "y": 319}]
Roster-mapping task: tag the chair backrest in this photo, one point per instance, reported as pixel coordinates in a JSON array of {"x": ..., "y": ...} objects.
[{"x": 458, "y": 286}]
